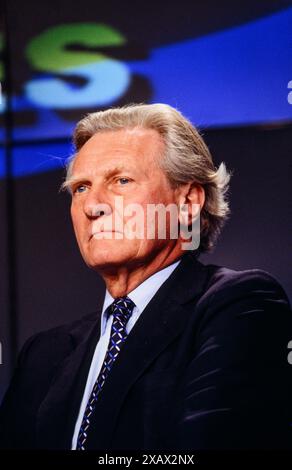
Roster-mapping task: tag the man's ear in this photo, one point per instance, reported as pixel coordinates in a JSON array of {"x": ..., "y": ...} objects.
[{"x": 191, "y": 201}]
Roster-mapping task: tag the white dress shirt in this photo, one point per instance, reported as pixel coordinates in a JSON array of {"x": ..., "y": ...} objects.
[{"x": 141, "y": 296}]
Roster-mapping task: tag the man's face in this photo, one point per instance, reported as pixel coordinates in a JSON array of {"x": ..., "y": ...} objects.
[{"x": 111, "y": 167}]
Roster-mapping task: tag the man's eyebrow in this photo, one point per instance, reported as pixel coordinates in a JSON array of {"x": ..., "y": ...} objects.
[
  {"x": 113, "y": 171},
  {"x": 69, "y": 182}
]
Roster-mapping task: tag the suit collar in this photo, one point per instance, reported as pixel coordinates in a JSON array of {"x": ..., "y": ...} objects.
[{"x": 188, "y": 280}]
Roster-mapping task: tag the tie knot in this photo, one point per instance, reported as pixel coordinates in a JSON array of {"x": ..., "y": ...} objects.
[{"x": 122, "y": 308}]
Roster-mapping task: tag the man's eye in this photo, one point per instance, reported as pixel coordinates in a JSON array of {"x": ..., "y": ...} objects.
[
  {"x": 79, "y": 189},
  {"x": 123, "y": 181}
]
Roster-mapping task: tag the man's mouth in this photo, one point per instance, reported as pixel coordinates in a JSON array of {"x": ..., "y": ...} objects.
[{"x": 99, "y": 234}]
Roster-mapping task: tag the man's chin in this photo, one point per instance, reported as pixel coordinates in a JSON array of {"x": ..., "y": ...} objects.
[
  {"x": 107, "y": 257},
  {"x": 107, "y": 235}
]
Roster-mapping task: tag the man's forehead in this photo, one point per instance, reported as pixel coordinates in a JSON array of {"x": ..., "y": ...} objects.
[
  {"x": 108, "y": 161},
  {"x": 116, "y": 155},
  {"x": 106, "y": 170},
  {"x": 125, "y": 136}
]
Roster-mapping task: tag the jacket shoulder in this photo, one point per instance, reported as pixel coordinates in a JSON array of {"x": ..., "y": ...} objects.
[
  {"x": 223, "y": 280},
  {"x": 230, "y": 293}
]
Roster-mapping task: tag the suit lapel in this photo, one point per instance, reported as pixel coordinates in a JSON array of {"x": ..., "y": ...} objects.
[
  {"x": 59, "y": 409},
  {"x": 161, "y": 322}
]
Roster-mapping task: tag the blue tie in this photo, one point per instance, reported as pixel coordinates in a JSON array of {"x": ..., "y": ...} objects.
[{"x": 121, "y": 309}]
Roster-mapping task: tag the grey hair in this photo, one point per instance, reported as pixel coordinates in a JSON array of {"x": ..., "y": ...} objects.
[{"x": 186, "y": 158}]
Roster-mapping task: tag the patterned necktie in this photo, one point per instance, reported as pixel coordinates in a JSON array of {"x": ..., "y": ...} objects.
[{"x": 121, "y": 309}]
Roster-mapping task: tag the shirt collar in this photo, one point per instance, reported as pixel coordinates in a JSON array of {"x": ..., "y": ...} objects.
[{"x": 144, "y": 292}]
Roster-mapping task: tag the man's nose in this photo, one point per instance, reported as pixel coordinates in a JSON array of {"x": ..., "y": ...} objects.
[
  {"x": 96, "y": 210},
  {"x": 95, "y": 207}
]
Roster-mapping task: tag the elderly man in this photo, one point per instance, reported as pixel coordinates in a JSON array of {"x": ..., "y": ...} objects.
[{"x": 182, "y": 355}]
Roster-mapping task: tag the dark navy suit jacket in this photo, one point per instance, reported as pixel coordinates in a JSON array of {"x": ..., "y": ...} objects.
[{"x": 204, "y": 367}]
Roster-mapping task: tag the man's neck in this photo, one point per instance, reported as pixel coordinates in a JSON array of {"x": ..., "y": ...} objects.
[{"x": 122, "y": 280}]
